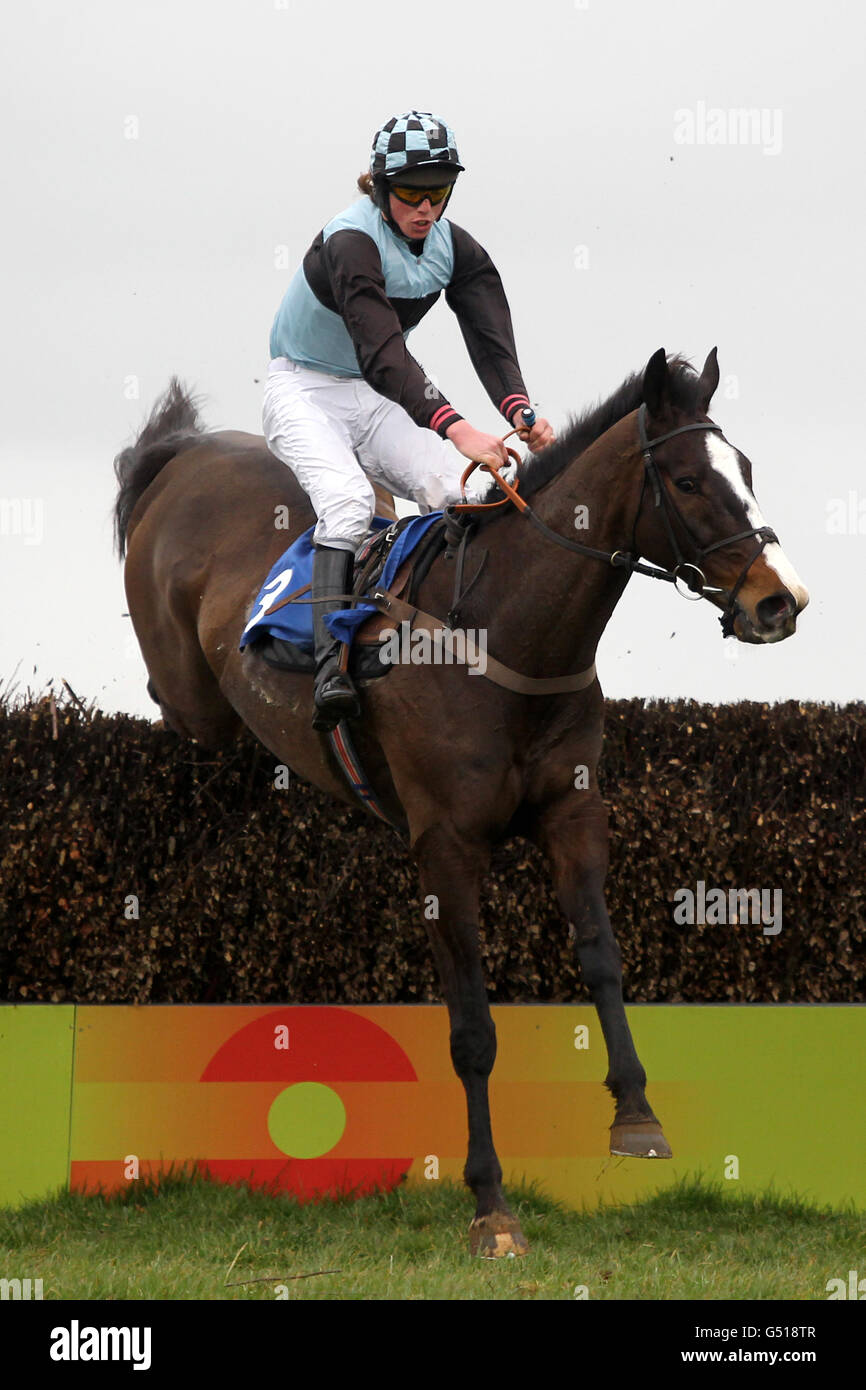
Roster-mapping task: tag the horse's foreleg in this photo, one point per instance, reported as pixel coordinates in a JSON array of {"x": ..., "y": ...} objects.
[
  {"x": 450, "y": 873},
  {"x": 575, "y": 840}
]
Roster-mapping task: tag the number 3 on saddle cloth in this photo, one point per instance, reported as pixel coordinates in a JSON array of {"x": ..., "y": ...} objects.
[{"x": 284, "y": 637}]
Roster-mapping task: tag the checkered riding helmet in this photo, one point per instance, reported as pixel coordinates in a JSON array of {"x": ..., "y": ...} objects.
[{"x": 415, "y": 140}]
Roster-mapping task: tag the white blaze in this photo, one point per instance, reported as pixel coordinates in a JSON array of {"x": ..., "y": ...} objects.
[{"x": 723, "y": 459}]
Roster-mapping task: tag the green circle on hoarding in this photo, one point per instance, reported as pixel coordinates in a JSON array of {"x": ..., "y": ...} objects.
[{"x": 306, "y": 1120}]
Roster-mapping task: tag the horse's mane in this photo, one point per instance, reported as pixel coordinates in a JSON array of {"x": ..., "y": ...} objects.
[{"x": 584, "y": 429}]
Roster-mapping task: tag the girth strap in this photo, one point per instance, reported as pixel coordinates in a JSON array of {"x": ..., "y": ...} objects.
[{"x": 494, "y": 670}]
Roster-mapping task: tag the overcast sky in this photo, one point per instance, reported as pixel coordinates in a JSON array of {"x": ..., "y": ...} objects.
[{"x": 167, "y": 165}]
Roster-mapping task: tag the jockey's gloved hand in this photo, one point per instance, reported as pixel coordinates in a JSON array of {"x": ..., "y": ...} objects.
[
  {"x": 538, "y": 437},
  {"x": 475, "y": 444}
]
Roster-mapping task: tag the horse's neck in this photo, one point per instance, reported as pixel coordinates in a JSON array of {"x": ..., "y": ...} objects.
[
  {"x": 595, "y": 497},
  {"x": 555, "y": 604}
]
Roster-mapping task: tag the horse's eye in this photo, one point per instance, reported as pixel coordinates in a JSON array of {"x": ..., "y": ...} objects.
[{"x": 687, "y": 484}]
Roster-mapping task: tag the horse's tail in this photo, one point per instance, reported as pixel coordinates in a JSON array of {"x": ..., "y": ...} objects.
[{"x": 173, "y": 423}]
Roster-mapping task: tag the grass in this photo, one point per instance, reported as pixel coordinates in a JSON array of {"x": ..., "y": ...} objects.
[{"x": 194, "y": 1239}]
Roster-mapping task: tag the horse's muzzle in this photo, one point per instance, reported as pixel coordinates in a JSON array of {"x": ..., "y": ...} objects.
[{"x": 774, "y": 618}]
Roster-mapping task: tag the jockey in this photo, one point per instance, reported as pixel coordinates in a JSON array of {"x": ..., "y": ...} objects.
[{"x": 345, "y": 402}]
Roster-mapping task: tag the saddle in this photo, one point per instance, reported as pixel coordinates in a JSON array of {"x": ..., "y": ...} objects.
[{"x": 447, "y": 534}]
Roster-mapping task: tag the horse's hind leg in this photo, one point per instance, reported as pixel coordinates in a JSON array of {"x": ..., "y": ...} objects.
[
  {"x": 185, "y": 687},
  {"x": 450, "y": 871},
  {"x": 573, "y": 834}
]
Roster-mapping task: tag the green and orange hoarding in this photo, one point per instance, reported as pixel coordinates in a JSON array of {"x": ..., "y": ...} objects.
[{"x": 311, "y": 1099}]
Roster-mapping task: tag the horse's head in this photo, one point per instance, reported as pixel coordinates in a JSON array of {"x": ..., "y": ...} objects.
[{"x": 699, "y": 513}]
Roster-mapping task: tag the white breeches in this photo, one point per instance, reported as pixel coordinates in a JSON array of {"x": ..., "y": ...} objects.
[{"x": 337, "y": 433}]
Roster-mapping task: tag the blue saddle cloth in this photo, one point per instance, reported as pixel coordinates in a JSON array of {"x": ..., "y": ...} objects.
[{"x": 294, "y": 569}]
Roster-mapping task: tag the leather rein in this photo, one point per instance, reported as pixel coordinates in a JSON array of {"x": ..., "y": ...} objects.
[{"x": 628, "y": 560}]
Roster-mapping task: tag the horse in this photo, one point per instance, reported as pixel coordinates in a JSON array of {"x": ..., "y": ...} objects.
[{"x": 458, "y": 760}]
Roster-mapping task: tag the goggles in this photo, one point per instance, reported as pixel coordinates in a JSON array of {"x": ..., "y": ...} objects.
[{"x": 414, "y": 196}]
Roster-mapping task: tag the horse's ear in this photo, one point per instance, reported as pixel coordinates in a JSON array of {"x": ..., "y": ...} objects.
[
  {"x": 655, "y": 383},
  {"x": 708, "y": 382}
]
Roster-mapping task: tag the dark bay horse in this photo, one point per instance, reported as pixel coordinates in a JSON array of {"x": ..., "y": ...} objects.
[{"x": 461, "y": 761}]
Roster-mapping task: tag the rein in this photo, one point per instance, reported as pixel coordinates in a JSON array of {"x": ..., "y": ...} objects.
[{"x": 628, "y": 560}]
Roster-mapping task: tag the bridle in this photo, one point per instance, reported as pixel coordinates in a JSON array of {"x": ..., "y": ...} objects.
[
  {"x": 663, "y": 500},
  {"x": 695, "y": 581}
]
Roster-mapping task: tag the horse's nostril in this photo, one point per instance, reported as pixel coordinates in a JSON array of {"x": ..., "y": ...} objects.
[{"x": 775, "y": 610}]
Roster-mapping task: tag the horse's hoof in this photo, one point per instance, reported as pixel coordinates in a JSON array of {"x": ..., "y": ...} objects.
[
  {"x": 497, "y": 1235},
  {"x": 639, "y": 1139}
]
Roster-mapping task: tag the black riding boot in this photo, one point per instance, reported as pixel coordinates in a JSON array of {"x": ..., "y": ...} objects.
[{"x": 334, "y": 694}]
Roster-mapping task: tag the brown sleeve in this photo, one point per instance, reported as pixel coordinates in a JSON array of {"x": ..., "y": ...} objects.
[{"x": 478, "y": 299}]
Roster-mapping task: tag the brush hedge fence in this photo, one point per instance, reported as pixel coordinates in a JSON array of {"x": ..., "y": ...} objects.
[{"x": 137, "y": 867}]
